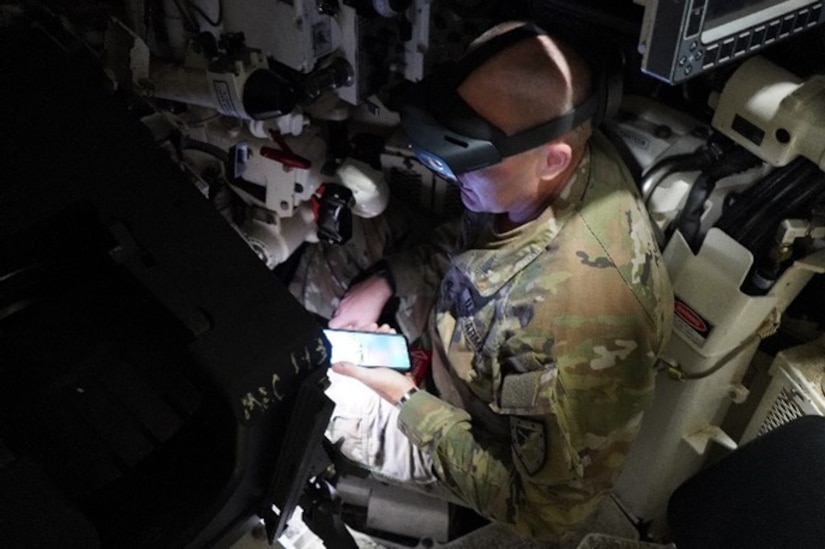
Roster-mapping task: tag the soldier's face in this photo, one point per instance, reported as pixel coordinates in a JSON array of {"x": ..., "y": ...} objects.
[{"x": 509, "y": 187}]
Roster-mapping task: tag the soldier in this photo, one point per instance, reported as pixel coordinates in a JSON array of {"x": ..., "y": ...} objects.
[{"x": 547, "y": 305}]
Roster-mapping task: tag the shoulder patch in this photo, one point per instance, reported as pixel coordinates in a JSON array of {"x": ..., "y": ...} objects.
[{"x": 529, "y": 443}]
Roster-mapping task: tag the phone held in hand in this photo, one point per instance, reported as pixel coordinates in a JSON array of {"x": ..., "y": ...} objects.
[{"x": 371, "y": 349}]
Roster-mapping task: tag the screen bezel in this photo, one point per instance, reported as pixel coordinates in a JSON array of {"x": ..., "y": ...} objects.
[{"x": 679, "y": 42}]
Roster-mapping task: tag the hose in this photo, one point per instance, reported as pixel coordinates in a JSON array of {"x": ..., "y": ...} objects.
[
  {"x": 197, "y": 9},
  {"x": 752, "y": 219},
  {"x": 727, "y": 163},
  {"x": 208, "y": 148},
  {"x": 678, "y": 163},
  {"x": 748, "y": 216}
]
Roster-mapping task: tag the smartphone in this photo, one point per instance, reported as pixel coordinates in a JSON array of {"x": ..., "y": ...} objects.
[{"x": 370, "y": 349}]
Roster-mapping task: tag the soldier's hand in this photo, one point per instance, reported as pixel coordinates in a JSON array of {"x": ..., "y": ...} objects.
[
  {"x": 362, "y": 304},
  {"x": 390, "y": 384}
]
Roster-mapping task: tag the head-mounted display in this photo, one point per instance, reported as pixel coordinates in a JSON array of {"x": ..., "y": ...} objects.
[{"x": 450, "y": 138}]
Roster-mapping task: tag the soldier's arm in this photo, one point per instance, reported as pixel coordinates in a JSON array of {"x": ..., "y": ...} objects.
[
  {"x": 418, "y": 270},
  {"x": 410, "y": 273},
  {"x": 572, "y": 419},
  {"x": 482, "y": 472}
]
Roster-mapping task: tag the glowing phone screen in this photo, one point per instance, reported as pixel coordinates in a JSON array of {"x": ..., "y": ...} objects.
[{"x": 369, "y": 348}]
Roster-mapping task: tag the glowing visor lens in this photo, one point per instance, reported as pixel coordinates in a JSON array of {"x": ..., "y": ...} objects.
[{"x": 434, "y": 163}]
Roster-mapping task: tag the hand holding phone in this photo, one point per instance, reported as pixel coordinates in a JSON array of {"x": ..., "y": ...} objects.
[{"x": 371, "y": 349}]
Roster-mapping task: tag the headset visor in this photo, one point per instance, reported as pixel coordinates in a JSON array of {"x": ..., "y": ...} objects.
[{"x": 450, "y": 138}]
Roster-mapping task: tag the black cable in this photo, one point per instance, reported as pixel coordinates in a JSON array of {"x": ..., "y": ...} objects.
[
  {"x": 203, "y": 14},
  {"x": 753, "y": 217},
  {"x": 775, "y": 207},
  {"x": 798, "y": 200},
  {"x": 747, "y": 209},
  {"x": 202, "y": 146},
  {"x": 188, "y": 19},
  {"x": 789, "y": 203},
  {"x": 678, "y": 163},
  {"x": 729, "y": 162}
]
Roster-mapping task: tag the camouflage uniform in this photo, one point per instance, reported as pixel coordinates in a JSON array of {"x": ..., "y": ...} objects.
[
  {"x": 325, "y": 271},
  {"x": 544, "y": 341}
]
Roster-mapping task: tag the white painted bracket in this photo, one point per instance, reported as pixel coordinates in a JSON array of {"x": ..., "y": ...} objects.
[
  {"x": 698, "y": 440},
  {"x": 738, "y": 393}
]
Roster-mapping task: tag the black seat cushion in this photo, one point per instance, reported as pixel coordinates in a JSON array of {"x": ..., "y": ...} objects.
[{"x": 768, "y": 493}]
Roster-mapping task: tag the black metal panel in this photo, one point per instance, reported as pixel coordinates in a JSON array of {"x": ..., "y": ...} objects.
[{"x": 134, "y": 323}]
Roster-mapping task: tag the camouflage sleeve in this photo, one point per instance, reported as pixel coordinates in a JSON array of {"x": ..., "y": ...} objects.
[
  {"x": 416, "y": 274},
  {"x": 478, "y": 470},
  {"x": 574, "y": 406},
  {"x": 418, "y": 270},
  {"x": 482, "y": 473}
]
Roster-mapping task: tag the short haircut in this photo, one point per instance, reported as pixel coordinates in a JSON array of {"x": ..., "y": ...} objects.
[{"x": 538, "y": 79}]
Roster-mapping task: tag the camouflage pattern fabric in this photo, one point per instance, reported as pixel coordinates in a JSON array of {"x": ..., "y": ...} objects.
[
  {"x": 325, "y": 271},
  {"x": 544, "y": 340}
]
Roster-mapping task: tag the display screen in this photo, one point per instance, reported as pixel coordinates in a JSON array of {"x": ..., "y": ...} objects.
[
  {"x": 369, "y": 348},
  {"x": 731, "y": 17},
  {"x": 719, "y": 13}
]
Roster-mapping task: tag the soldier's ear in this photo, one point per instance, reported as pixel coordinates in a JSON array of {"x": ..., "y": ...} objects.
[{"x": 555, "y": 158}]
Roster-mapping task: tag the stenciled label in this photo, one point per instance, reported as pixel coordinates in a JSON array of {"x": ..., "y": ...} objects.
[{"x": 224, "y": 97}]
